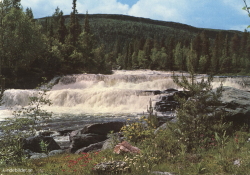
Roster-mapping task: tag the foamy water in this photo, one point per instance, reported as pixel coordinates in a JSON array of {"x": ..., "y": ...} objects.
[{"x": 122, "y": 93}]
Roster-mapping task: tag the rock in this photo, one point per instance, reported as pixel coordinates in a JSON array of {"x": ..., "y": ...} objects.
[
  {"x": 92, "y": 147},
  {"x": 85, "y": 140},
  {"x": 55, "y": 152},
  {"x": 168, "y": 102},
  {"x": 111, "y": 167},
  {"x": 33, "y": 143},
  {"x": 162, "y": 127},
  {"x": 98, "y": 128},
  {"x": 113, "y": 140},
  {"x": 108, "y": 144},
  {"x": 236, "y": 103},
  {"x": 38, "y": 156},
  {"x": 103, "y": 128},
  {"x": 28, "y": 153},
  {"x": 126, "y": 147},
  {"x": 65, "y": 132},
  {"x": 62, "y": 141},
  {"x": 237, "y": 162}
]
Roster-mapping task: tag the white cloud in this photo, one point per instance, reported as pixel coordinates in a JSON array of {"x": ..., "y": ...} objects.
[
  {"x": 42, "y": 8},
  {"x": 102, "y": 6},
  {"x": 236, "y": 5},
  {"x": 199, "y": 13},
  {"x": 168, "y": 10}
]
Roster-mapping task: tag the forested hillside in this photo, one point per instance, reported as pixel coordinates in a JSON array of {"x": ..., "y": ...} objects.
[{"x": 81, "y": 43}]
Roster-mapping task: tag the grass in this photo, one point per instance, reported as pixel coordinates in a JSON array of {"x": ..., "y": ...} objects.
[{"x": 159, "y": 154}]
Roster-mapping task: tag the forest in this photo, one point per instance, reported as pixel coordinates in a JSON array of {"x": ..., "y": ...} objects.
[{"x": 81, "y": 43}]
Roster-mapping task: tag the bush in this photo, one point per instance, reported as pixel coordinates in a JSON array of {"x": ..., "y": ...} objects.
[
  {"x": 22, "y": 125},
  {"x": 199, "y": 117}
]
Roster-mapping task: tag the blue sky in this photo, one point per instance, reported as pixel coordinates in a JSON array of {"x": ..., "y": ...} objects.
[{"x": 215, "y": 14}]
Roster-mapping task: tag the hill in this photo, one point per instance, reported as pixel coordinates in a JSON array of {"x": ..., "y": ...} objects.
[{"x": 108, "y": 28}]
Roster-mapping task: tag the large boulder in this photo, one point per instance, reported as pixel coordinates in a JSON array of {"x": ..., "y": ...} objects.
[
  {"x": 103, "y": 128},
  {"x": 236, "y": 103},
  {"x": 98, "y": 128},
  {"x": 84, "y": 140},
  {"x": 33, "y": 143}
]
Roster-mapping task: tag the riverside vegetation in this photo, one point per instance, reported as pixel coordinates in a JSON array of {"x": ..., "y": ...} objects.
[{"x": 200, "y": 142}]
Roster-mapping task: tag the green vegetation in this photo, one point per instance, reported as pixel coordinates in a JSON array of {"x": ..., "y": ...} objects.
[
  {"x": 77, "y": 43},
  {"x": 24, "y": 123},
  {"x": 200, "y": 142}
]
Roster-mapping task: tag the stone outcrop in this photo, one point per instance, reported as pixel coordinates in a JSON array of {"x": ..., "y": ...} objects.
[{"x": 237, "y": 105}]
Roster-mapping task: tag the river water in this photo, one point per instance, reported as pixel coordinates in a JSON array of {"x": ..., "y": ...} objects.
[{"x": 122, "y": 94}]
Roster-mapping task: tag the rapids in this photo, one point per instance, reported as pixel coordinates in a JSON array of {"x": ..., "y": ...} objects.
[{"x": 120, "y": 94}]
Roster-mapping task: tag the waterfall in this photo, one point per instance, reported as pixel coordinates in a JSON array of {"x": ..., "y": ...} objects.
[{"x": 122, "y": 93}]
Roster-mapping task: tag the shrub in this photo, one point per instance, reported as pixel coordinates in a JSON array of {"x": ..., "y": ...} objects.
[
  {"x": 23, "y": 124},
  {"x": 199, "y": 117}
]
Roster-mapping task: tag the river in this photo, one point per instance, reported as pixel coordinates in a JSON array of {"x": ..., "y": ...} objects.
[{"x": 91, "y": 96}]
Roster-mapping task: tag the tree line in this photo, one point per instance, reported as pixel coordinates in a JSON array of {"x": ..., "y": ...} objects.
[
  {"x": 60, "y": 44},
  {"x": 28, "y": 53}
]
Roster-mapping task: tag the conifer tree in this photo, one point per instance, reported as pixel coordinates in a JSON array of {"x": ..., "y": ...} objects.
[
  {"x": 29, "y": 13},
  {"x": 74, "y": 28},
  {"x": 199, "y": 117},
  {"x": 62, "y": 30}
]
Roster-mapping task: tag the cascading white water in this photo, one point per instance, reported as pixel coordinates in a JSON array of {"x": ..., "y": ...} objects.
[{"x": 122, "y": 93}]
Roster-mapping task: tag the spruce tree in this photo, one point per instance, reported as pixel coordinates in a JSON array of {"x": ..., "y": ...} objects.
[
  {"x": 74, "y": 28},
  {"x": 199, "y": 117},
  {"x": 62, "y": 30}
]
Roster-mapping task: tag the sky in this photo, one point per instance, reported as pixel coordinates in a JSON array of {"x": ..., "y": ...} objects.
[{"x": 215, "y": 14}]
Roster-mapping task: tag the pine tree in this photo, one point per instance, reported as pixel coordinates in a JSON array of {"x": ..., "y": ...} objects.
[
  {"x": 170, "y": 50},
  {"x": 199, "y": 117},
  {"x": 62, "y": 30},
  {"x": 29, "y": 13},
  {"x": 178, "y": 57},
  {"x": 215, "y": 55},
  {"x": 74, "y": 28}
]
